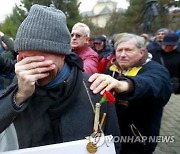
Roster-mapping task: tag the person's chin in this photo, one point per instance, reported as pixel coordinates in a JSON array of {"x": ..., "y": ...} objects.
[
  {"x": 74, "y": 45},
  {"x": 42, "y": 82},
  {"x": 123, "y": 66}
]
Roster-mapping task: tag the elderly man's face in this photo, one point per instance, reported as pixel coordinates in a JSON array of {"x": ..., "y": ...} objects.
[
  {"x": 128, "y": 55},
  {"x": 58, "y": 61},
  {"x": 78, "y": 38}
]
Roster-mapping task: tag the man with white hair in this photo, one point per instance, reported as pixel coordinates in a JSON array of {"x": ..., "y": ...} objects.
[
  {"x": 142, "y": 87},
  {"x": 80, "y": 36}
]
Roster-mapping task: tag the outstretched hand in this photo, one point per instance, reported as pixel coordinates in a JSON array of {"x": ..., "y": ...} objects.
[{"x": 102, "y": 82}]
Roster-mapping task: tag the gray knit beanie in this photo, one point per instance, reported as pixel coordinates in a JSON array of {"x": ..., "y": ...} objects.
[{"x": 44, "y": 29}]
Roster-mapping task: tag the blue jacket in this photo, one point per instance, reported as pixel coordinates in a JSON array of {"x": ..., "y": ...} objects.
[{"x": 153, "y": 44}]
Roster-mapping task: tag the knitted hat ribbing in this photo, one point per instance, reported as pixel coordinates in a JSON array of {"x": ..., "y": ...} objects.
[{"x": 44, "y": 29}]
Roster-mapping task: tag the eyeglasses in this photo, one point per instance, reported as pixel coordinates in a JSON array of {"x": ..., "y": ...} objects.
[{"x": 76, "y": 35}]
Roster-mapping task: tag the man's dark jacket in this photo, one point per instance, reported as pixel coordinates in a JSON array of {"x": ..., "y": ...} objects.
[
  {"x": 58, "y": 115},
  {"x": 6, "y": 65},
  {"x": 140, "y": 111},
  {"x": 171, "y": 60},
  {"x": 153, "y": 44}
]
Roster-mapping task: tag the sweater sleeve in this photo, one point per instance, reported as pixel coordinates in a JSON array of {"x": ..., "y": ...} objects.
[
  {"x": 9, "y": 43},
  {"x": 151, "y": 85},
  {"x": 91, "y": 64}
]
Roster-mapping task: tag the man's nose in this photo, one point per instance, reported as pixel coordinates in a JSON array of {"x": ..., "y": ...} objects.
[{"x": 123, "y": 53}]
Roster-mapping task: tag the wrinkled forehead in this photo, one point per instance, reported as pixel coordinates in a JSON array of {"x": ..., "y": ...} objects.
[{"x": 126, "y": 44}]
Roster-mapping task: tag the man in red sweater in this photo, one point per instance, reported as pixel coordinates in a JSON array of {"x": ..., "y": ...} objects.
[{"x": 80, "y": 36}]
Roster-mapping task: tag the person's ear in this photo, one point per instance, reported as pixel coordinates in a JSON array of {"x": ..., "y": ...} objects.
[
  {"x": 87, "y": 39},
  {"x": 144, "y": 52},
  {"x": 19, "y": 58}
]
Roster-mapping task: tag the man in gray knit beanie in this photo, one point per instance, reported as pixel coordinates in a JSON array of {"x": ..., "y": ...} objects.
[
  {"x": 44, "y": 29},
  {"x": 50, "y": 100}
]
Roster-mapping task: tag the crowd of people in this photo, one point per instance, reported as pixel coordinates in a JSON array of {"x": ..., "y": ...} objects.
[{"x": 56, "y": 77}]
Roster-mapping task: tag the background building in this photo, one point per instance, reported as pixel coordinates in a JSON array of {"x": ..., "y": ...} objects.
[{"x": 101, "y": 12}]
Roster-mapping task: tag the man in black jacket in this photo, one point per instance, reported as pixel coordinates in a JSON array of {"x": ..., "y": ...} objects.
[
  {"x": 168, "y": 54},
  {"x": 50, "y": 100}
]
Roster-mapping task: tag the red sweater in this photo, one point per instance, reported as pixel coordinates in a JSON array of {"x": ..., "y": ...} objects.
[{"x": 90, "y": 59}]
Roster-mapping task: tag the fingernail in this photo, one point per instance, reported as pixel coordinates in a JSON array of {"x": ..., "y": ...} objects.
[
  {"x": 91, "y": 87},
  {"x": 41, "y": 57},
  {"x": 89, "y": 79}
]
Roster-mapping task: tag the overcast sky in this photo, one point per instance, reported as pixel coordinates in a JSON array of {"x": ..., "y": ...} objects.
[
  {"x": 6, "y": 6},
  {"x": 87, "y": 5}
]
